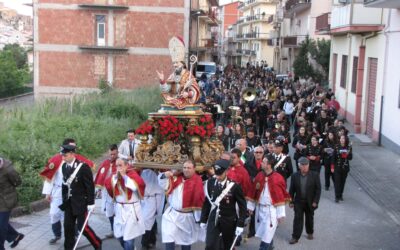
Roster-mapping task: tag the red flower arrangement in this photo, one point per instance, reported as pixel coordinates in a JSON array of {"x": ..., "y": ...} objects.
[
  {"x": 170, "y": 128},
  {"x": 144, "y": 129},
  {"x": 204, "y": 129}
]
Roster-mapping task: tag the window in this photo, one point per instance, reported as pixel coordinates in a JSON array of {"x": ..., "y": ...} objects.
[
  {"x": 343, "y": 76},
  {"x": 100, "y": 30},
  {"x": 354, "y": 75}
]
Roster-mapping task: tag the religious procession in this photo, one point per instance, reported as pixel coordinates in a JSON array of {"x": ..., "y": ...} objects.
[{"x": 213, "y": 162}]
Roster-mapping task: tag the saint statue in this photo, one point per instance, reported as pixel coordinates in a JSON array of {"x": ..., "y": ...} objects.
[{"x": 180, "y": 89}]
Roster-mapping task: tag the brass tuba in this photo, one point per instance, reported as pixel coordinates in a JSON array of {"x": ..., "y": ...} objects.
[
  {"x": 271, "y": 95},
  {"x": 318, "y": 94},
  {"x": 249, "y": 94}
]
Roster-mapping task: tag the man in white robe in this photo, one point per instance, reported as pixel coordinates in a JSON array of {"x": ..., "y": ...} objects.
[
  {"x": 126, "y": 187},
  {"x": 185, "y": 197},
  {"x": 152, "y": 205},
  {"x": 270, "y": 197}
]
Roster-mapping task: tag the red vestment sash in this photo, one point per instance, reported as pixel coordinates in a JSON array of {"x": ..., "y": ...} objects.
[{"x": 193, "y": 191}]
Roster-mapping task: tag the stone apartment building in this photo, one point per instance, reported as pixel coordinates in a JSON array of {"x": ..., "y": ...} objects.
[{"x": 79, "y": 42}]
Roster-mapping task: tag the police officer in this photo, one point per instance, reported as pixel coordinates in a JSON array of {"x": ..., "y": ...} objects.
[
  {"x": 218, "y": 214},
  {"x": 284, "y": 162},
  {"x": 78, "y": 197}
]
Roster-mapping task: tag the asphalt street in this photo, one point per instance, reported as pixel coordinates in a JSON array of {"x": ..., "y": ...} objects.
[{"x": 356, "y": 223}]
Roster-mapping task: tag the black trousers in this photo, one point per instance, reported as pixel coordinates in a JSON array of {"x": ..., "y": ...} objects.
[
  {"x": 252, "y": 226},
  {"x": 301, "y": 209},
  {"x": 225, "y": 230},
  {"x": 328, "y": 175},
  {"x": 69, "y": 229},
  {"x": 340, "y": 176},
  {"x": 149, "y": 237}
]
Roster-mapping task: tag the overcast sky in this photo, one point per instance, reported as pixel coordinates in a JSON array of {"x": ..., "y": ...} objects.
[
  {"x": 223, "y": 2},
  {"x": 18, "y": 6}
]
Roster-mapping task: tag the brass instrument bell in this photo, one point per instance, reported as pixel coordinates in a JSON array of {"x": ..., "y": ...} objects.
[
  {"x": 271, "y": 95},
  {"x": 249, "y": 94}
]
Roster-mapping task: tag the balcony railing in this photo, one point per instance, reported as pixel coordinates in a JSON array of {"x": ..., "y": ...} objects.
[
  {"x": 394, "y": 4},
  {"x": 254, "y": 18},
  {"x": 252, "y": 35},
  {"x": 323, "y": 23},
  {"x": 248, "y": 3},
  {"x": 292, "y": 41},
  {"x": 295, "y": 6},
  {"x": 249, "y": 52},
  {"x": 210, "y": 16},
  {"x": 355, "y": 18}
]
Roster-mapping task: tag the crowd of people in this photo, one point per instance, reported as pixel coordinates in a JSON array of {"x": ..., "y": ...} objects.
[{"x": 246, "y": 190}]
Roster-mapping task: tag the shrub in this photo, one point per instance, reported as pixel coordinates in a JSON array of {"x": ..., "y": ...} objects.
[{"x": 31, "y": 135}]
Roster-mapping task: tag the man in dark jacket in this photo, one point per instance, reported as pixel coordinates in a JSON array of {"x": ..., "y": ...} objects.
[
  {"x": 78, "y": 197},
  {"x": 219, "y": 215},
  {"x": 305, "y": 190},
  {"x": 9, "y": 180}
]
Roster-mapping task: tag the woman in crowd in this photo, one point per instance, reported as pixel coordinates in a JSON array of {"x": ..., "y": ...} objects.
[
  {"x": 328, "y": 157},
  {"x": 314, "y": 154},
  {"x": 300, "y": 141},
  {"x": 343, "y": 155}
]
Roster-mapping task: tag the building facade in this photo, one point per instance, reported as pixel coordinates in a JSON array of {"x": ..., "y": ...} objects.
[
  {"x": 300, "y": 21},
  {"x": 78, "y": 43},
  {"x": 253, "y": 31},
  {"x": 363, "y": 69},
  {"x": 229, "y": 14},
  {"x": 204, "y": 29}
]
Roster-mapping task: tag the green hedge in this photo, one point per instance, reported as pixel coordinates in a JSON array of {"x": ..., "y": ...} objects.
[{"x": 31, "y": 135}]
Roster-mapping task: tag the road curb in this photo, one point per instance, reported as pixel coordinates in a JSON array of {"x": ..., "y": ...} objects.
[
  {"x": 35, "y": 206},
  {"x": 15, "y": 97}
]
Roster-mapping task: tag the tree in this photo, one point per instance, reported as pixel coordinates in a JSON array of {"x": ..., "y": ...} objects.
[
  {"x": 320, "y": 51},
  {"x": 11, "y": 78},
  {"x": 19, "y": 54},
  {"x": 301, "y": 64}
]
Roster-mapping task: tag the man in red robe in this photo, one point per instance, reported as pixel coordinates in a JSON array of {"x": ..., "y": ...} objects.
[
  {"x": 126, "y": 187},
  {"x": 185, "y": 197},
  {"x": 107, "y": 168},
  {"x": 269, "y": 199},
  {"x": 238, "y": 173}
]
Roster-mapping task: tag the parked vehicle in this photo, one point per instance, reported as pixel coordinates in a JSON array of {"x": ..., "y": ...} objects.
[{"x": 209, "y": 68}]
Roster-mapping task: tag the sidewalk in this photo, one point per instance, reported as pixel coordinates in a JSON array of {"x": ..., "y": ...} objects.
[
  {"x": 37, "y": 230},
  {"x": 377, "y": 171}
]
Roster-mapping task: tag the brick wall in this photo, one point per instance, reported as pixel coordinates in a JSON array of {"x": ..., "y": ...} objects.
[{"x": 143, "y": 30}]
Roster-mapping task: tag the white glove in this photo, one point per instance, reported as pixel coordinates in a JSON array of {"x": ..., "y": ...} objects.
[
  {"x": 203, "y": 225},
  {"x": 90, "y": 208},
  {"x": 239, "y": 230}
]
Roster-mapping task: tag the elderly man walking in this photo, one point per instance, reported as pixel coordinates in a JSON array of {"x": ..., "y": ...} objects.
[{"x": 305, "y": 190}]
